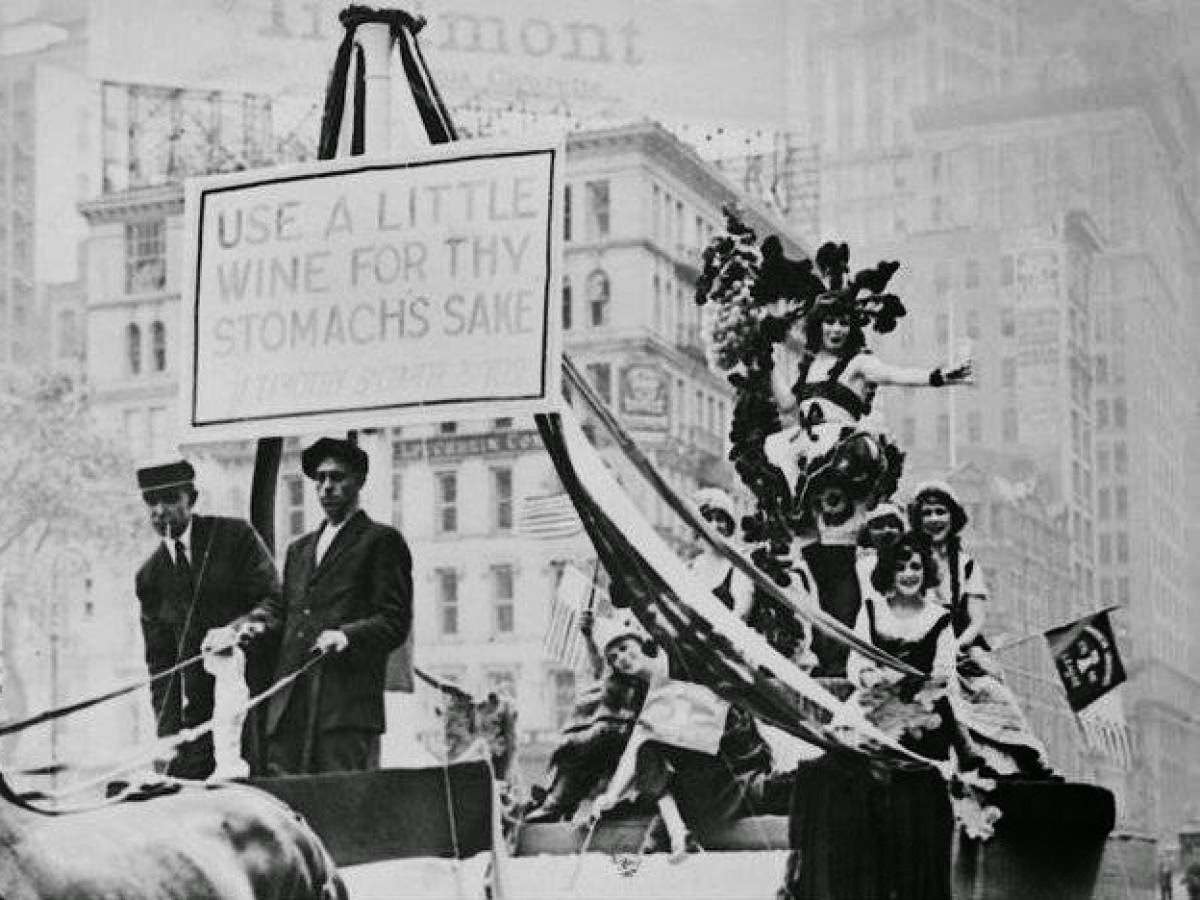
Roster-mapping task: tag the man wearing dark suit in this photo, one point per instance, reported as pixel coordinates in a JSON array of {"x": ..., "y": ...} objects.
[
  {"x": 347, "y": 593},
  {"x": 206, "y": 572}
]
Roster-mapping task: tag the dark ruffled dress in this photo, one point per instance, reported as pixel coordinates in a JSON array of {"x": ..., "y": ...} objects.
[{"x": 863, "y": 832}]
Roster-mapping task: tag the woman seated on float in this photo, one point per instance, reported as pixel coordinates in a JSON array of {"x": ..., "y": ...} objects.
[
  {"x": 595, "y": 735},
  {"x": 984, "y": 704},
  {"x": 856, "y": 834},
  {"x": 728, "y": 584},
  {"x": 700, "y": 759}
]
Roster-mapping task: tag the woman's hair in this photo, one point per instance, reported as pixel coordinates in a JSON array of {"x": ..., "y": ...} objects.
[
  {"x": 927, "y": 494},
  {"x": 855, "y": 340},
  {"x": 911, "y": 543}
]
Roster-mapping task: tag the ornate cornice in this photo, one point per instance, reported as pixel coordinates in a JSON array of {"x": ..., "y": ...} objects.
[{"x": 162, "y": 201}]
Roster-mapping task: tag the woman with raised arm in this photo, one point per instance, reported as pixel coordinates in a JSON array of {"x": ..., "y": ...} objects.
[{"x": 836, "y": 377}]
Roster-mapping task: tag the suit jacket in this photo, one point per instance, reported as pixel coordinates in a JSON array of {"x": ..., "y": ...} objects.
[
  {"x": 232, "y": 573},
  {"x": 363, "y": 586}
]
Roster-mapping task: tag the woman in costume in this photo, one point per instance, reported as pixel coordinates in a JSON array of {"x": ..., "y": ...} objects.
[
  {"x": 837, "y": 376},
  {"x": 730, "y": 585},
  {"x": 700, "y": 759},
  {"x": 986, "y": 707},
  {"x": 599, "y": 727},
  {"x": 861, "y": 833},
  {"x": 882, "y": 526}
]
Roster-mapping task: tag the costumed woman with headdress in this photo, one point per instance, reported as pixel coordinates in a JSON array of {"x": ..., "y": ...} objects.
[
  {"x": 986, "y": 707},
  {"x": 730, "y": 585},
  {"x": 862, "y": 833},
  {"x": 836, "y": 376}
]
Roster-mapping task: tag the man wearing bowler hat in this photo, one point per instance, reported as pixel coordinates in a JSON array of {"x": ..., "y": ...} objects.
[
  {"x": 347, "y": 593},
  {"x": 205, "y": 573}
]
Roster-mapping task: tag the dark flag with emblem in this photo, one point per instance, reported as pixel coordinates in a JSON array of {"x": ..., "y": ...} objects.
[{"x": 1085, "y": 654}]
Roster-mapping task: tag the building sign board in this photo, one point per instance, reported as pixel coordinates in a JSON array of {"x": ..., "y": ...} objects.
[
  {"x": 573, "y": 59},
  {"x": 363, "y": 292},
  {"x": 644, "y": 397}
]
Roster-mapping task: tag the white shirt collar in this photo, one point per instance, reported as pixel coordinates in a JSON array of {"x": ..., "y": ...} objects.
[
  {"x": 185, "y": 537},
  {"x": 328, "y": 533}
]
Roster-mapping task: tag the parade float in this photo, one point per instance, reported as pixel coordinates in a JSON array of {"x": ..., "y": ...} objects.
[{"x": 815, "y": 471}]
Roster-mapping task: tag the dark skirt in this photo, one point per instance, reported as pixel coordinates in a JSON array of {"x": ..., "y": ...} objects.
[{"x": 859, "y": 832}]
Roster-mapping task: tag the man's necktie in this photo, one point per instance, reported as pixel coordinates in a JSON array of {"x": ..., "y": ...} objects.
[{"x": 181, "y": 562}]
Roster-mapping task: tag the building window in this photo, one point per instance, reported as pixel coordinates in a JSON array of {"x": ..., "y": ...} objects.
[
  {"x": 1122, "y": 502},
  {"x": 397, "y": 496},
  {"x": 1120, "y": 458},
  {"x": 599, "y": 293},
  {"x": 601, "y": 378},
  {"x": 158, "y": 346},
  {"x": 566, "y": 303},
  {"x": 447, "y": 502},
  {"x": 503, "y": 610},
  {"x": 1119, "y": 412},
  {"x": 133, "y": 348},
  {"x": 1008, "y": 372},
  {"x": 1008, "y": 321},
  {"x": 1102, "y": 461},
  {"x": 294, "y": 491},
  {"x": 504, "y": 423},
  {"x": 1101, "y": 413},
  {"x": 1006, "y": 270},
  {"x": 1123, "y": 590},
  {"x": 1105, "y": 549},
  {"x": 971, "y": 275},
  {"x": 447, "y": 601},
  {"x": 1122, "y": 547},
  {"x": 597, "y": 209},
  {"x": 1008, "y": 425},
  {"x": 157, "y": 421},
  {"x": 973, "y": 324},
  {"x": 567, "y": 213},
  {"x": 502, "y": 498},
  {"x": 68, "y": 334},
  {"x": 564, "y": 697},
  {"x": 1103, "y": 504},
  {"x": 942, "y": 327},
  {"x": 145, "y": 256},
  {"x": 908, "y": 431},
  {"x": 943, "y": 430},
  {"x": 975, "y": 427}
]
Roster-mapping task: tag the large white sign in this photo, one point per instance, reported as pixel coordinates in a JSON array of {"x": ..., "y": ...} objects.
[
  {"x": 367, "y": 291},
  {"x": 702, "y": 61}
]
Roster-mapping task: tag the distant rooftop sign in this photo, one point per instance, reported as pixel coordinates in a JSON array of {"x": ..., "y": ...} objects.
[
  {"x": 671, "y": 60},
  {"x": 365, "y": 292}
]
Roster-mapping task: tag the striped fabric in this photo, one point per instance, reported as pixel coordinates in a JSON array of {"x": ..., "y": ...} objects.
[{"x": 548, "y": 517}]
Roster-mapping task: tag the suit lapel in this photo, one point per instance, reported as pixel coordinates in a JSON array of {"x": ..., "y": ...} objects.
[{"x": 343, "y": 539}]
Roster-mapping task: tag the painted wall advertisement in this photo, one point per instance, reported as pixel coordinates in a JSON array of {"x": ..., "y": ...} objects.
[
  {"x": 576, "y": 59},
  {"x": 354, "y": 294}
]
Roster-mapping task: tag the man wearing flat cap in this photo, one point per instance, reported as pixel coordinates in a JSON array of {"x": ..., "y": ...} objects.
[
  {"x": 347, "y": 593},
  {"x": 205, "y": 573}
]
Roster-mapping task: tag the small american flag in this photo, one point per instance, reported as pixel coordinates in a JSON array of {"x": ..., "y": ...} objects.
[
  {"x": 564, "y": 642},
  {"x": 548, "y": 517}
]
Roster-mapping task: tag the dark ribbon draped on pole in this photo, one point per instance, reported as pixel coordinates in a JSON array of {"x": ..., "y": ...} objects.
[{"x": 438, "y": 128}]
